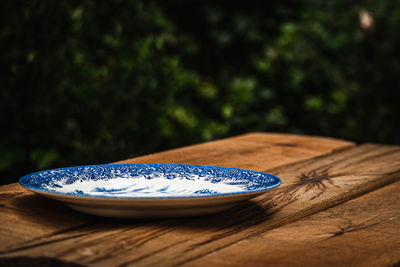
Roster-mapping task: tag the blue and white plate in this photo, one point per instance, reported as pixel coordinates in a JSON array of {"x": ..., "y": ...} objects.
[{"x": 149, "y": 190}]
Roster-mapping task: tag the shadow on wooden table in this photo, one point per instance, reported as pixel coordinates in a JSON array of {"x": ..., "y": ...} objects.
[
  {"x": 36, "y": 262},
  {"x": 44, "y": 211},
  {"x": 47, "y": 212}
]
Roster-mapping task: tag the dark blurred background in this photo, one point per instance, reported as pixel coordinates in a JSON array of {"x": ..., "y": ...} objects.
[{"x": 86, "y": 82}]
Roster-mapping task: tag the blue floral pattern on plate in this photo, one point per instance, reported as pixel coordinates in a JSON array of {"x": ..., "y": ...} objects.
[{"x": 149, "y": 181}]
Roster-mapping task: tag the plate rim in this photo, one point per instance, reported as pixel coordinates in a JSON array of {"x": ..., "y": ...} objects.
[{"x": 126, "y": 198}]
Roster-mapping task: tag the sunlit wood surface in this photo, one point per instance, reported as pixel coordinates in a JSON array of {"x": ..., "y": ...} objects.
[{"x": 339, "y": 204}]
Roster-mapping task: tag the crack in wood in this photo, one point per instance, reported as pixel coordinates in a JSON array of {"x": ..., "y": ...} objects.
[
  {"x": 151, "y": 254},
  {"x": 285, "y": 144},
  {"x": 379, "y": 155},
  {"x": 242, "y": 220},
  {"x": 349, "y": 227},
  {"x": 137, "y": 243},
  {"x": 4, "y": 196},
  {"x": 153, "y": 236},
  {"x": 93, "y": 242},
  {"x": 42, "y": 244},
  {"x": 32, "y": 243}
]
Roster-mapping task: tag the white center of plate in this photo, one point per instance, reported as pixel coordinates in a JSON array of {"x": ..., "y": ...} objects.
[{"x": 139, "y": 186}]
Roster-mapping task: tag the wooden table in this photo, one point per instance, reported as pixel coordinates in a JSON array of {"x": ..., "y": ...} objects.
[{"x": 339, "y": 204}]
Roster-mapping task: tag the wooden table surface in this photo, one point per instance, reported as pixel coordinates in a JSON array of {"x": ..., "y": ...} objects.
[{"x": 339, "y": 204}]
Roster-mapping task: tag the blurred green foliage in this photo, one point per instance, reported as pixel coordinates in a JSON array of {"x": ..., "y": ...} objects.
[{"x": 87, "y": 82}]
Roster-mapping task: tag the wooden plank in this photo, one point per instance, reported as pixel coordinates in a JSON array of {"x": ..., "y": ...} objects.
[
  {"x": 308, "y": 187},
  {"x": 254, "y": 151},
  {"x": 361, "y": 232},
  {"x": 26, "y": 217}
]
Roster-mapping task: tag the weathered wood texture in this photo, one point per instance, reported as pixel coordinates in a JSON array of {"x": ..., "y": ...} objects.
[
  {"x": 308, "y": 187},
  {"x": 361, "y": 232},
  {"x": 25, "y": 217},
  {"x": 255, "y": 151}
]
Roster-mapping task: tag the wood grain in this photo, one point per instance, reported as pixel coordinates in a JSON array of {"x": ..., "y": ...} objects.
[
  {"x": 254, "y": 151},
  {"x": 26, "y": 217},
  {"x": 361, "y": 232},
  {"x": 308, "y": 187}
]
